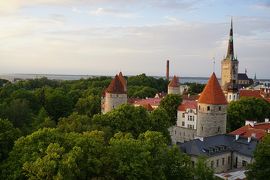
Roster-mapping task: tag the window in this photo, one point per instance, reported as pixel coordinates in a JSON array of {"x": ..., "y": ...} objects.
[
  {"x": 217, "y": 162},
  {"x": 218, "y": 129},
  {"x": 229, "y": 160},
  {"x": 193, "y": 163},
  {"x": 208, "y": 108},
  {"x": 190, "y": 118},
  {"x": 223, "y": 161},
  {"x": 244, "y": 163},
  {"x": 219, "y": 108},
  {"x": 183, "y": 115},
  {"x": 183, "y": 123},
  {"x": 199, "y": 107},
  {"x": 212, "y": 164}
]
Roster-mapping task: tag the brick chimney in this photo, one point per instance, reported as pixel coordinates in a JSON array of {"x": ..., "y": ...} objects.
[{"x": 168, "y": 70}]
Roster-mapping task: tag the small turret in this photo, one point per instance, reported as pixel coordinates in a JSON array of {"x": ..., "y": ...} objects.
[
  {"x": 212, "y": 110},
  {"x": 115, "y": 95},
  {"x": 174, "y": 86}
]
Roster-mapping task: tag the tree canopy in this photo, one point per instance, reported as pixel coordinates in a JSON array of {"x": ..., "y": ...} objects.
[
  {"x": 247, "y": 109},
  {"x": 259, "y": 169}
]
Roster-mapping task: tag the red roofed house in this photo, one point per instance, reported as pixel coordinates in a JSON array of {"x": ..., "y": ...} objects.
[
  {"x": 187, "y": 114},
  {"x": 115, "y": 95},
  {"x": 253, "y": 129},
  {"x": 153, "y": 102}
]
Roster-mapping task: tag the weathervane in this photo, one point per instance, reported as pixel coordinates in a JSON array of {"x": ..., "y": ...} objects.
[{"x": 214, "y": 65}]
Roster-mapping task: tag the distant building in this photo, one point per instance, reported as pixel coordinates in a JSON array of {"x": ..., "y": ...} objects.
[
  {"x": 244, "y": 81},
  {"x": 253, "y": 129},
  {"x": 153, "y": 102},
  {"x": 174, "y": 86},
  {"x": 224, "y": 152},
  {"x": 229, "y": 72},
  {"x": 115, "y": 95}
]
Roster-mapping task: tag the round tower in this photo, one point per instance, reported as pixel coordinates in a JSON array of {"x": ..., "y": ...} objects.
[
  {"x": 115, "y": 95},
  {"x": 212, "y": 110},
  {"x": 174, "y": 86}
]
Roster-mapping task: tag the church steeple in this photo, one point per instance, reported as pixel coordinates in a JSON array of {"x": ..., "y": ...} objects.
[{"x": 230, "y": 51}]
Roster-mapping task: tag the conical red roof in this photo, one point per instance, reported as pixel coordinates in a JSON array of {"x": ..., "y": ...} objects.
[
  {"x": 212, "y": 93},
  {"x": 122, "y": 79},
  {"x": 116, "y": 87},
  {"x": 174, "y": 82}
]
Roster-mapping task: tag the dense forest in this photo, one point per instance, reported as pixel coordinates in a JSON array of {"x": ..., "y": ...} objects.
[{"x": 53, "y": 129}]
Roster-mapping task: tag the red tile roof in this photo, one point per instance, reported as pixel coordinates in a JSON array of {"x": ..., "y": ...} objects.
[
  {"x": 187, "y": 105},
  {"x": 212, "y": 93},
  {"x": 116, "y": 87},
  {"x": 190, "y": 97},
  {"x": 151, "y": 101},
  {"x": 250, "y": 93},
  {"x": 259, "y": 130},
  {"x": 174, "y": 82}
]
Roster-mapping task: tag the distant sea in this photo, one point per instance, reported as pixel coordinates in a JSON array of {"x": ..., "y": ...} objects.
[{"x": 12, "y": 77}]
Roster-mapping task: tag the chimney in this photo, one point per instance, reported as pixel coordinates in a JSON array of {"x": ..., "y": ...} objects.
[
  {"x": 251, "y": 123},
  {"x": 168, "y": 70},
  {"x": 266, "y": 120},
  {"x": 236, "y": 137},
  {"x": 249, "y": 139},
  {"x": 253, "y": 135},
  {"x": 201, "y": 139}
]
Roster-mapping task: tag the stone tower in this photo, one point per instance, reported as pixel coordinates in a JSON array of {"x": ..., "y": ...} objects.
[
  {"x": 174, "y": 86},
  {"x": 229, "y": 71},
  {"x": 212, "y": 110},
  {"x": 115, "y": 95}
]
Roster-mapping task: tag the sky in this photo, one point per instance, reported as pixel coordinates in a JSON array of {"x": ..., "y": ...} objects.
[{"x": 103, "y": 37}]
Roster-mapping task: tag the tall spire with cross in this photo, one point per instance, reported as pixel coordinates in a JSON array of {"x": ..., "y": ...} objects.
[{"x": 230, "y": 51}]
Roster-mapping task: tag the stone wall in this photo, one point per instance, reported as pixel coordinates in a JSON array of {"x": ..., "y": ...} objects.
[
  {"x": 173, "y": 90},
  {"x": 179, "y": 134},
  {"x": 112, "y": 101},
  {"x": 211, "y": 120}
]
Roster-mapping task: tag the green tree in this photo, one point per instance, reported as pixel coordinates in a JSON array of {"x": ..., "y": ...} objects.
[
  {"x": 89, "y": 106},
  {"x": 49, "y": 153},
  {"x": 247, "y": 109},
  {"x": 259, "y": 169},
  {"x": 126, "y": 118},
  {"x": 8, "y": 134},
  {"x": 160, "y": 121},
  {"x": 202, "y": 171},
  {"x": 170, "y": 103},
  {"x": 74, "y": 123},
  {"x": 19, "y": 113},
  {"x": 58, "y": 104}
]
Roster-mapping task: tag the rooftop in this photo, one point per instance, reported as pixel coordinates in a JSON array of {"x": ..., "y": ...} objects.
[
  {"x": 116, "y": 87},
  {"x": 187, "y": 104},
  {"x": 212, "y": 93},
  {"x": 258, "y": 130},
  {"x": 150, "y": 101},
  {"x": 213, "y": 145},
  {"x": 174, "y": 82}
]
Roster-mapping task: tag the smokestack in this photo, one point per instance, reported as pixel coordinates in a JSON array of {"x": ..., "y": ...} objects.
[{"x": 168, "y": 70}]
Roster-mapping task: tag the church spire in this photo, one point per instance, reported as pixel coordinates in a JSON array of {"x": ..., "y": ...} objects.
[{"x": 230, "y": 51}]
